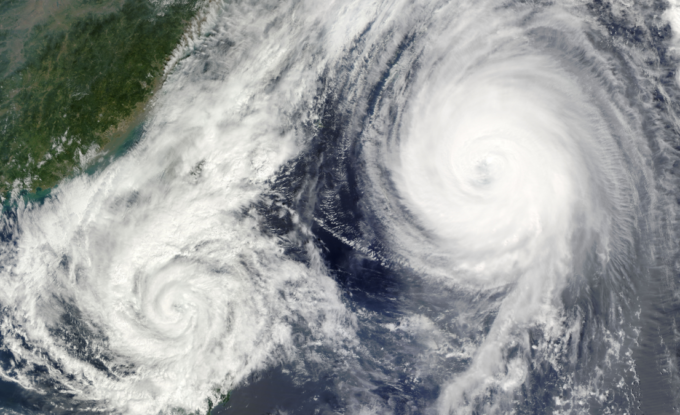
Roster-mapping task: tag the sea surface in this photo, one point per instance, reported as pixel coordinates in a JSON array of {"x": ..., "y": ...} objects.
[{"x": 370, "y": 207}]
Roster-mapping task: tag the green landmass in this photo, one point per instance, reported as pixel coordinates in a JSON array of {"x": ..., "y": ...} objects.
[
  {"x": 79, "y": 83},
  {"x": 18, "y": 17},
  {"x": 223, "y": 399}
]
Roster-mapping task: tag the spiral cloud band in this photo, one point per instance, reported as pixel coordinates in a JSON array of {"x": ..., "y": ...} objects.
[
  {"x": 376, "y": 207},
  {"x": 499, "y": 159}
]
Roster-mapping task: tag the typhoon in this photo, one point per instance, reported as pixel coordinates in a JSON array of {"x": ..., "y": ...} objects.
[{"x": 370, "y": 207}]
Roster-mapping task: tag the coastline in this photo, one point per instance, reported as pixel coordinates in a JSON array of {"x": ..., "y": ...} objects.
[{"x": 120, "y": 137}]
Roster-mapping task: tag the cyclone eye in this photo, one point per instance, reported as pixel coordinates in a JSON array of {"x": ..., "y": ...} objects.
[
  {"x": 487, "y": 170},
  {"x": 357, "y": 207}
]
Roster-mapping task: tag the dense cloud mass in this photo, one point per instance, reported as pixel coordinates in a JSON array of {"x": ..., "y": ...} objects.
[{"x": 376, "y": 207}]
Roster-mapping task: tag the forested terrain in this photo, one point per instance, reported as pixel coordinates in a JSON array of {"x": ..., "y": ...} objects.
[{"x": 79, "y": 83}]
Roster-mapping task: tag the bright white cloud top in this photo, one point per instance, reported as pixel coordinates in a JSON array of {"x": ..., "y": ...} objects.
[{"x": 404, "y": 206}]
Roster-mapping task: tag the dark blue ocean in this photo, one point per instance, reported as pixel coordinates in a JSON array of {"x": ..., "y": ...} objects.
[{"x": 375, "y": 207}]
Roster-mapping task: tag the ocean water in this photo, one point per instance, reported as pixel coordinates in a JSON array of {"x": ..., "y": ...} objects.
[{"x": 370, "y": 207}]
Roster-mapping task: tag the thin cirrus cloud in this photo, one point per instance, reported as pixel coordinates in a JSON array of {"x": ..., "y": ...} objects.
[{"x": 446, "y": 207}]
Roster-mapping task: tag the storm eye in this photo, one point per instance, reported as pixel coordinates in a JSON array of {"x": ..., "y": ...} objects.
[
  {"x": 487, "y": 170},
  {"x": 350, "y": 207}
]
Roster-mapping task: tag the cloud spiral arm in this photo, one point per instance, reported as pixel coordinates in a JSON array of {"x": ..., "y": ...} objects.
[{"x": 434, "y": 207}]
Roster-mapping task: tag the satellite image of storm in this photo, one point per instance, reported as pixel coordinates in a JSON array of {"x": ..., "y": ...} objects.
[{"x": 352, "y": 207}]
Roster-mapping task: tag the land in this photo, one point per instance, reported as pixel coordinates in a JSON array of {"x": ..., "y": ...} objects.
[{"x": 74, "y": 75}]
